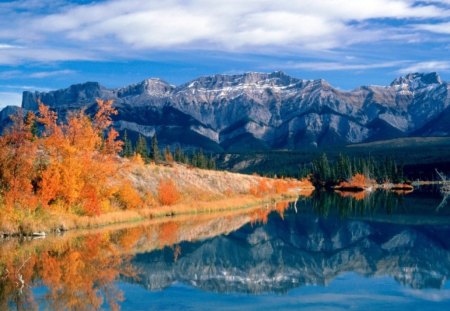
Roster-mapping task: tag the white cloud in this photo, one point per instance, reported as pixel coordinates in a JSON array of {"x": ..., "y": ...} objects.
[
  {"x": 200, "y": 24},
  {"x": 10, "y": 74},
  {"x": 441, "y": 28},
  {"x": 24, "y": 87},
  {"x": 10, "y": 99},
  {"x": 13, "y": 56},
  {"x": 426, "y": 67},
  {"x": 230, "y": 25},
  {"x": 46, "y": 74},
  {"x": 4, "y": 46}
]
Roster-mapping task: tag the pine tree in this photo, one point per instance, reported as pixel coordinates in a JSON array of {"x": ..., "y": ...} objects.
[
  {"x": 202, "y": 161},
  {"x": 127, "y": 145},
  {"x": 155, "y": 153},
  {"x": 168, "y": 155},
  {"x": 141, "y": 147},
  {"x": 211, "y": 163}
]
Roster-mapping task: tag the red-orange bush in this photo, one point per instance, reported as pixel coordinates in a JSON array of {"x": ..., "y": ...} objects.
[
  {"x": 357, "y": 181},
  {"x": 168, "y": 193},
  {"x": 280, "y": 186},
  {"x": 261, "y": 189}
]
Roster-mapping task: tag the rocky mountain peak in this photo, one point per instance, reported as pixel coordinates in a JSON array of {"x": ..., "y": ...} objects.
[
  {"x": 417, "y": 80},
  {"x": 153, "y": 87},
  {"x": 219, "y": 81}
]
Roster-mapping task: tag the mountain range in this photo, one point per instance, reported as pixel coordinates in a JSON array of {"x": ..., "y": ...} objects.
[{"x": 263, "y": 111}]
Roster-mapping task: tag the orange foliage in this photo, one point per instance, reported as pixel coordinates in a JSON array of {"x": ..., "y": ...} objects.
[
  {"x": 102, "y": 119},
  {"x": 281, "y": 186},
  {"x": 112, "y": 145},
  {"x": 78, "y": 273},
  {"x": 17, "y": 174},
  {"x": 305, "y": 184},
  {"x": 260, "y": 216},
  {"x": 357, "y": 181},
  {"x": 129, "y": 197},
  {"x": 168, "y": 193},
  {"x": 261, "y": 189},
  {"x": 168, "y": 233},
  {"x": 358, "y": 196},
  {"x": 69, "y": 165},
  {"x": 280, "y": 207}
]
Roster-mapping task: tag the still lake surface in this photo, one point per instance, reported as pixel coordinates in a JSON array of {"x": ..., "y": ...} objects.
[{"x": 327, "y": 252}]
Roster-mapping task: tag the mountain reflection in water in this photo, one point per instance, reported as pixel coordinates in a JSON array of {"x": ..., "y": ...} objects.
[
  {"x": 327, "y": 236},
  {"x": 268, "y": 250}
]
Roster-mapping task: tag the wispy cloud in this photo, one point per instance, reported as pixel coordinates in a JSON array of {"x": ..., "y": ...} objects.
[
  {"x": 439, "y": 66},
  {"x": 24, "y": 87},
  {"x": 46, "y": 74},
  {"x": 441, "y": 28},
  {"x": 207, "y": 36},
  {"x": 10, "y": 74},
  {"x": 14, "y": 56},
  {"x": 4, "y": 46},
  {"x": 232, "y": 25}
]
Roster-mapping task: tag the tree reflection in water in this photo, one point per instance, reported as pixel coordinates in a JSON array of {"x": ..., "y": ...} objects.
[
  {"x": 273, "y": 248},
  {"x": 80, "y": 272},
  {"x": 77, "y": 273}
]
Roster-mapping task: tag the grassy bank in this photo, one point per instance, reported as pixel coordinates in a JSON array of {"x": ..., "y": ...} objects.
[
  {"x": 67, "y": 175},
  {"x": 197, "y": 191}
]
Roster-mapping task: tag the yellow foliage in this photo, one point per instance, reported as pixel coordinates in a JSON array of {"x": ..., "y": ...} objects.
[{"x": 129, "y": 197}]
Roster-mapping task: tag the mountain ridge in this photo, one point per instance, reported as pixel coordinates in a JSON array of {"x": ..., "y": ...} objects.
[{"x": 266, "y": 111}]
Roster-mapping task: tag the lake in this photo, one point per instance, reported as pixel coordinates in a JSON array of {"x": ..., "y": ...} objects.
[{"x": 385, "y": 251}]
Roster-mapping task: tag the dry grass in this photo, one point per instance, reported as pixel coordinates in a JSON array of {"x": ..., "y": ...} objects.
[{"x": 197, "y": 191}]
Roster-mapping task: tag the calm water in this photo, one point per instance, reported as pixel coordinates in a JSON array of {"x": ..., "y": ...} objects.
[{"x": 382, "y": 252}]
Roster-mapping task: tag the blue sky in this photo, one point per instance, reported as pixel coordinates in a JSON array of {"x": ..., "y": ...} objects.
[{"x": 47, "y": 44}]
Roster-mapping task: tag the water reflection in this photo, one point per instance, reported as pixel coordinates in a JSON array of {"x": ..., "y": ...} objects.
[
  {"x": 313, "y": 243},
  {"x": 76, "y": 272},
  {"x": 79, "y": 270},
  {"x": 272, "y": 249}
]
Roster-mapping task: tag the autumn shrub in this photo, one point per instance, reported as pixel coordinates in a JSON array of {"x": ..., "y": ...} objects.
[
  {"x": 261, "y": 189},
  {"x": 280, "y": 186},
  {"x": 168, "y": 193},
  {"x": 128, "y": 197},
  {"x": 357, "y": 181}
]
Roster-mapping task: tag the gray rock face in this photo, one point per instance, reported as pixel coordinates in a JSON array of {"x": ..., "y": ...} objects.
[
  {"x": 5, "y": 116},
  {"x": 267, "y": 110}
]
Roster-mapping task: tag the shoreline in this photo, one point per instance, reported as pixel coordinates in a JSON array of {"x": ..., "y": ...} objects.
[{"x": 60, "y": 223}]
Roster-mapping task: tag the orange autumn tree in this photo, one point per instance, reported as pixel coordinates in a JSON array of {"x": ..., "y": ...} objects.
[
  {"x": 78, "y": 159},
  {"x": 17, "y": 174},
  {"x": 68, "y": 166}
]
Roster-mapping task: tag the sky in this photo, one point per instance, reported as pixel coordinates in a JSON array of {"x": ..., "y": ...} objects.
[{"x": 47, "y": 45}]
